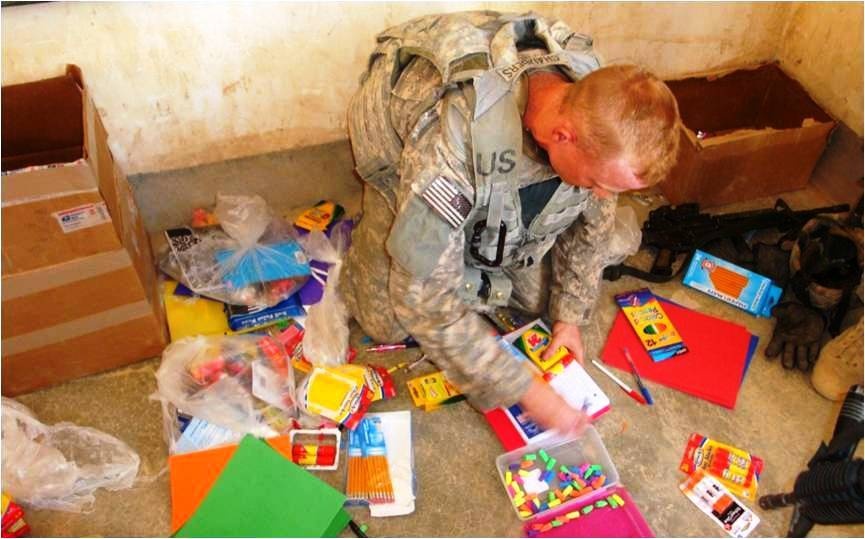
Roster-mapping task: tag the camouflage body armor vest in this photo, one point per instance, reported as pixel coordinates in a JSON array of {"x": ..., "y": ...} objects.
[{"x": 476, "y": 54}]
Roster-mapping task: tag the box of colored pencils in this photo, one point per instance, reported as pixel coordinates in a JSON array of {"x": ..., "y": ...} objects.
[
  {"x": 656, "y": 332},
  {"x": 368, "y": 477},
  {"x": 735, "y": 285}
]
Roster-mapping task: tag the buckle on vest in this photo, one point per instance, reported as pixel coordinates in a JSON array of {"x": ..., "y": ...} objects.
[{"x": 474, "y": 247}]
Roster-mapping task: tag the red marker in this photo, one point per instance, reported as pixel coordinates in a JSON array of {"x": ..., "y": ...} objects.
[{"x": 625, "y": 387}]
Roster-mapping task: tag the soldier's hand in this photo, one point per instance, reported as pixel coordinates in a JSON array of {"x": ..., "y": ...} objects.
[
  {"x": 550, "y": 410},
  {"x": 567, "y": 335},
  {"x": 797, "y": 336}
]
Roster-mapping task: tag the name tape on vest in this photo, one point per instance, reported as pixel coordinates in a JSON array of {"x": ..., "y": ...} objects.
[
  {"x": 447, "y": 201},
  {"x": 512, "y": 71}
]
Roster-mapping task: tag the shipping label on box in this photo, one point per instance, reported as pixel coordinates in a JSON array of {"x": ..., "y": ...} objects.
[{"x": 80, "y": 217}]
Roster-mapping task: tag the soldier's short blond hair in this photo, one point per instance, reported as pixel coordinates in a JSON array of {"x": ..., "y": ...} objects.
[{"x": 624, "y": 110}]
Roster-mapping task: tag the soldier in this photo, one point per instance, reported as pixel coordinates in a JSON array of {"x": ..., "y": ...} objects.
[{"x": 492, "y": 146}]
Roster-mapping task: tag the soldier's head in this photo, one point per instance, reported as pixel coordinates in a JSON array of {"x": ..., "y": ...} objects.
[{"x": 616, "y": 130}]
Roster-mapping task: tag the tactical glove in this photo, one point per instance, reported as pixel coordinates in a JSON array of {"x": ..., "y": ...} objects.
[
  {"x": 772, "y": 261},
  {"x": 798, "y": 335}
]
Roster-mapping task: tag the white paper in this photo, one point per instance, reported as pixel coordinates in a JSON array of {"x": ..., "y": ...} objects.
[
  {"x": 200, "y": 434},
  {"x": 398, "y": 440}
]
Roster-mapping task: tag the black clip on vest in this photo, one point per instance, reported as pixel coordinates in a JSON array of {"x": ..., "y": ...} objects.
[{"x": 500, "y": 248}]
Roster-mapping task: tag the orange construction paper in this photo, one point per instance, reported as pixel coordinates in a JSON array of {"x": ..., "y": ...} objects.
[
  {"x": 192, "y": 475},
  {"x": 282, "y": 445}
]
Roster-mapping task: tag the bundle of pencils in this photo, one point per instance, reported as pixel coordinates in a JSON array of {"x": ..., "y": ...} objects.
[{"x": 368, "y": 473}]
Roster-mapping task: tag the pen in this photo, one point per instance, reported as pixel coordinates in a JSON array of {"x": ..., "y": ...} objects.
[
  {"x": 643, "y": 389},
  {"x": 391, "y": 347},
  {"x": 625, "y": 387}
]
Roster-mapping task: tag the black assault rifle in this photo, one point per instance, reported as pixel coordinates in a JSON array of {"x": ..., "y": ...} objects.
[{"x": 676, "y": 230}]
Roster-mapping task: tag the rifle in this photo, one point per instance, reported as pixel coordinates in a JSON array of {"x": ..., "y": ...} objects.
[{"x": 675, "y": 230}]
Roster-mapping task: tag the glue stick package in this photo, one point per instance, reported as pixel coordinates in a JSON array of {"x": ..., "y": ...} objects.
[
  {"x": 656, "y": 332},
  {"x": 715, "y": 500},
  {"x": 736, "y": 469}
]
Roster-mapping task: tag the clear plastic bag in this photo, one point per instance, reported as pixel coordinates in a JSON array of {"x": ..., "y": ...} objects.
[
  {"x": 244, "y": 383},
  {"x": 60, "y": 466},
  {"x": 325, "y": 341},
  {"x": 251, "y": 258},
  {"x": 626, "y": 237}
]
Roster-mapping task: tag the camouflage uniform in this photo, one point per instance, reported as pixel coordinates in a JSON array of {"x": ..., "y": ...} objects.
[{"x": 421, "y": 257}]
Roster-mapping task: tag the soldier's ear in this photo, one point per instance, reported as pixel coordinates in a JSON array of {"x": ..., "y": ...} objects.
[{"x": 564, "y": 134}]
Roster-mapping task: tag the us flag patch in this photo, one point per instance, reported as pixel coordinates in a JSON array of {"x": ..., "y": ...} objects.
[{"x": 447, "y": 201}]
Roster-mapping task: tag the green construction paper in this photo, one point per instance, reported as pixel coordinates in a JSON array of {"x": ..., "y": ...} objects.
[
  {"x": 340, "y": 521},
  {"x": 260, "y": 493}
]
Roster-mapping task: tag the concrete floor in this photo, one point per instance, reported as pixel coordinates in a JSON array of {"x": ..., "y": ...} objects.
[{"x": 778, "y": 416}]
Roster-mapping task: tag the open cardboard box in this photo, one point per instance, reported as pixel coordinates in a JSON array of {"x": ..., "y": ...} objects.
[
  {"x": 747, "y": 133},
  {"x": 79, "y": 284}
]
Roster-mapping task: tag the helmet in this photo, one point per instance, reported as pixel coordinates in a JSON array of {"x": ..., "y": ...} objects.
[{"x": 826, "y": 262}]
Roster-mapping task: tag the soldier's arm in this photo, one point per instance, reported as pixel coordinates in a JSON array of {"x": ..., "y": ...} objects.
[
  {"x": 578, "y": 262},
  {"x": 427, "y": 250}
]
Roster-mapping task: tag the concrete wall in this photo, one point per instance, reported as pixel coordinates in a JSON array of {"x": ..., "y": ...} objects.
[
  {"x": 822, "y": 48},
  {"x": 182, "y": 84}
]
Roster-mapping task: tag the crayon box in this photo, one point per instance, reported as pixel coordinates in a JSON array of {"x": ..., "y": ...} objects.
[
  {"x": 646, "y": 315},
  {"x": 728, "y": 282}
]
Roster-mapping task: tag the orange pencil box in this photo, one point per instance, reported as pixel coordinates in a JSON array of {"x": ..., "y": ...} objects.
[{"x": 735, "y": 285}]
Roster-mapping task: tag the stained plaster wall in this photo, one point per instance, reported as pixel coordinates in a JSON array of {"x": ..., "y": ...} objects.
[
  {"x": 182, "y": 84},
  {"x": 822, "y": 48}
]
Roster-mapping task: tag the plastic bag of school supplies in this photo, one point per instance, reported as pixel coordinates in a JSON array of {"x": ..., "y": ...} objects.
[
  {"x": 60, "y": 466},
  {"x": 325, "y": 341},
  {"x": 244, "y": 383},
  {"x": 251, "y": 258}
]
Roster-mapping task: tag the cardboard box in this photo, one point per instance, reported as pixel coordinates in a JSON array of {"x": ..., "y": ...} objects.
[
  {"x": 79, "y": 284},
  {"x": 747, "y": 133}
]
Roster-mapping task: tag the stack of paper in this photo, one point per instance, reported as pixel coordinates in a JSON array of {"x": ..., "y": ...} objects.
[
  {"x": 250, "y": 490},
  {"x": 714, "y": 367}
]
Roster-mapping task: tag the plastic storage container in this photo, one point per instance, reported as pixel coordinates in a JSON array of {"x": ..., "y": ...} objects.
[
  {"x": 626, "y": 521},
  {"x": 587, "y": 449}
]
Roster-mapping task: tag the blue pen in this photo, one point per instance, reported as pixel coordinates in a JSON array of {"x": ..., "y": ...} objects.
[{"x": 643, "y": 389}]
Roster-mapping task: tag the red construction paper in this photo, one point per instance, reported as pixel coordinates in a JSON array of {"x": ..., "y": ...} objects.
[{"x": 712, "y": 368}]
